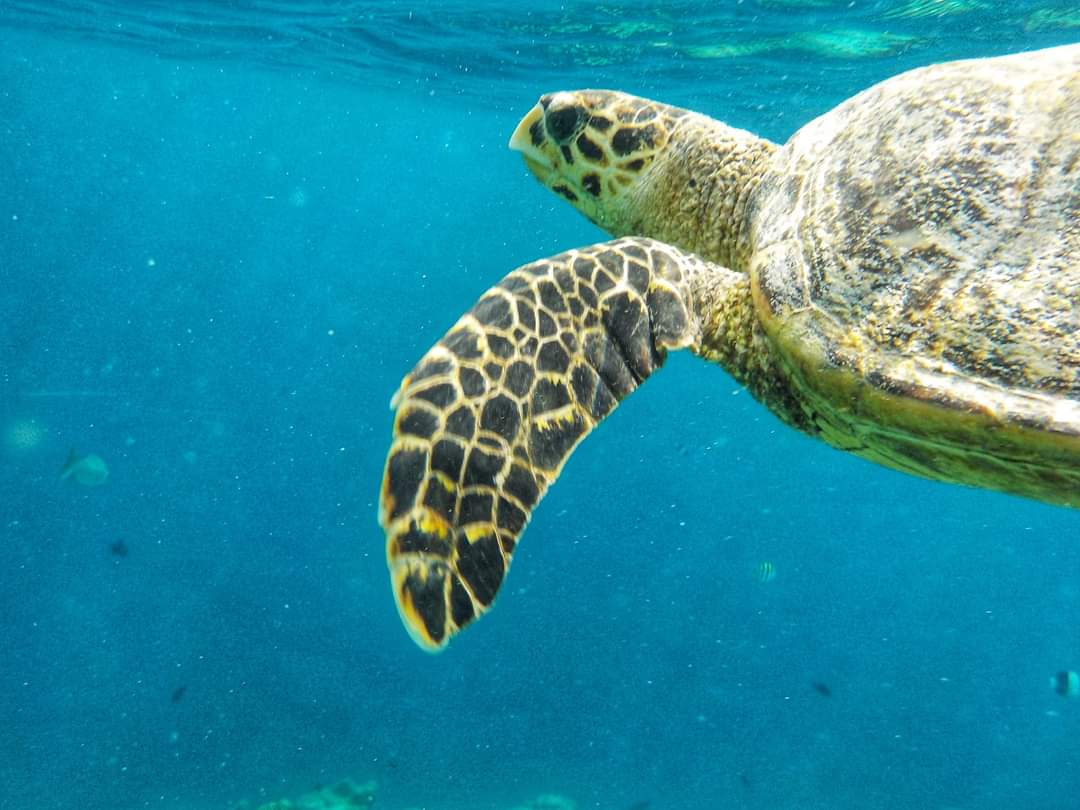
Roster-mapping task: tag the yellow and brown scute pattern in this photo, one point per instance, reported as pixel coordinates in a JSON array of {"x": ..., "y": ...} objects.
[
  {"x": 917, "y": 267},
  {"x": 487, "y": 418},
  {"x": 590, "y": 146},
  {"x": 937, "y": 216},
  {"x": 636, "y": 167}
]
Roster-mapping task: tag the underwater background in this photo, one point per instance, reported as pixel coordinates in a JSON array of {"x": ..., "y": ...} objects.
[{"x": 227, "y": 230}]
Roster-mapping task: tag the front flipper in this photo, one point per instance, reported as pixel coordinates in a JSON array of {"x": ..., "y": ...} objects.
[{"x": 487, "y": 418}]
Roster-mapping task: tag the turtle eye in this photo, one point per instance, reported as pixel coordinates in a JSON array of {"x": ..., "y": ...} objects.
[{"x": 562, "y": 122}]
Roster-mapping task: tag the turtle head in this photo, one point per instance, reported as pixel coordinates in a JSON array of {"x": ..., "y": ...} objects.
[
  {"x": 637, "y": 167},
  {"x": 595, "y": 148}
]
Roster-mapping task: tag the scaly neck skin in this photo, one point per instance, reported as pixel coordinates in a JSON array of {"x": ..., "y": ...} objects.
[
  {"x": 696, "y": 193},
  {"x": 732, "y": 337}
]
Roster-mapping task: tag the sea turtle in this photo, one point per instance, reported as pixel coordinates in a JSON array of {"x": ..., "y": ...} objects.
[{"x": 901, "y": 279}]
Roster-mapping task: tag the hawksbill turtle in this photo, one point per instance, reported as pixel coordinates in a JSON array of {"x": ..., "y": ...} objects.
[{"x": 901, "y": 279}]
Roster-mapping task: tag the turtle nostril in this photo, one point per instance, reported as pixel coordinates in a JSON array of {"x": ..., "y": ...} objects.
[
  {"x": 545, "y": 100},
  {"x": 562, "y": 122}
]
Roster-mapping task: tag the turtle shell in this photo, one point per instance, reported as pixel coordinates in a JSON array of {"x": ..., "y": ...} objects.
[{"x": 916, "y": 263}]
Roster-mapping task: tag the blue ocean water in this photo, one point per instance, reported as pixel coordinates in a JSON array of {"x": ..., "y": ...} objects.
[{"x": 227, "y": 230}]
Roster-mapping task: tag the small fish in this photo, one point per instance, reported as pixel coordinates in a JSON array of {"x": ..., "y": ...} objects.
[
  {"x": 766, "y": 572},
  {"x": 178, "y": 694},
  {"x": 1066, "y": 683},
  {"x": 88, "y": 470},
  {"x": 119, "y": 548},
  {"x": 821, "y": 688}
]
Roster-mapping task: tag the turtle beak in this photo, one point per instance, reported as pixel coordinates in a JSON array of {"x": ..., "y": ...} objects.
[{"x": 528, "y": 139}]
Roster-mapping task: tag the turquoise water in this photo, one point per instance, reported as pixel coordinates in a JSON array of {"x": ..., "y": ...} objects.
[{"x": 226, "y": 232}]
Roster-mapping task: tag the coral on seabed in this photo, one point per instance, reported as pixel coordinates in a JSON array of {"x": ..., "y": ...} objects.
[
  {"x": 345, "y": 795},
  {"x": 548, "y": 801},
  {"x": 349, "y": 795}
]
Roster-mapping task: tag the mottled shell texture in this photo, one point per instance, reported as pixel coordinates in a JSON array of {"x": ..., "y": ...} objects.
[{"x": 925, "y": 235}]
